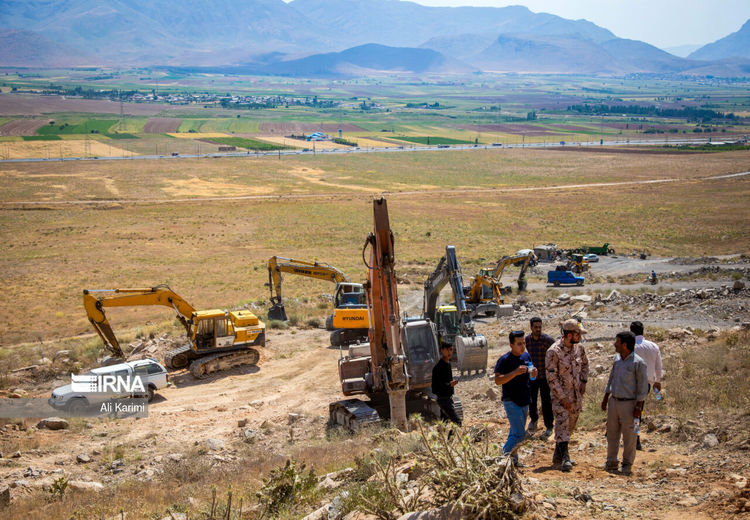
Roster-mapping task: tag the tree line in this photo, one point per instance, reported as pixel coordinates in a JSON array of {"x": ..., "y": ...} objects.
[{"x": 691, "y": 113}]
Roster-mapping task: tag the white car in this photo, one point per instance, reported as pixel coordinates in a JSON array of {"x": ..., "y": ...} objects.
[
  {"x": 591, "y": 257},
  {"x": 153, "y": 375}
]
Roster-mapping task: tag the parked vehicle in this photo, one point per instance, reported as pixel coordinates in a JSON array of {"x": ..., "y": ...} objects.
[
  {"x": 152, "y": 373},
  {"x": 591, "y": 257},
  {"x": 563, "y": 276}
]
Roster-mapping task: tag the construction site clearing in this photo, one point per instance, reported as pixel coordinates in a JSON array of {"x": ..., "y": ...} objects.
[{"x": 278, "y": 407}]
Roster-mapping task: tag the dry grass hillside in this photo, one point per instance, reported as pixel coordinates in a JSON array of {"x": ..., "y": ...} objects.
[{"x": 253, "y": 443}]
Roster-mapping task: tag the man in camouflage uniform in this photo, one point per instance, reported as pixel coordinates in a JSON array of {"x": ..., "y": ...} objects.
[{"x": 567, "y": 372}]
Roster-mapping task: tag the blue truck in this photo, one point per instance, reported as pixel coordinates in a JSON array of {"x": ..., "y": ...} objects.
[{"x": 561, "y": 276}]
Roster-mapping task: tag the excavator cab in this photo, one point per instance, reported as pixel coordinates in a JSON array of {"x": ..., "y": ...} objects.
[
  {"x": 213, "y": 330},
  {"x": 422, "y": 351},
  {"x": 447, "y": 323},
  {"x": 349, "y": 296}
]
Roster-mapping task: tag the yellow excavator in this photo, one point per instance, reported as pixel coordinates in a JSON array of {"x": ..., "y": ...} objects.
[
  {"x": 483, "y": 295},
  {"x": 349, "y": 322},
  {"x": 521, "y": 259},
  {"x": 577, "y": 264},
  {"x": 217, "y": 339}
]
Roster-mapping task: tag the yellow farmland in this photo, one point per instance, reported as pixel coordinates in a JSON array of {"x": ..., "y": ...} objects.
[{"x": 56, "y": 149}]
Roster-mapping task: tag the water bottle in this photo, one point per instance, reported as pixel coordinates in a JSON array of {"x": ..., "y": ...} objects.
[
  {"x": 531, "y": 367},
  {"x": 637, "y": 425},
  {"x": 658, "y": 395}
]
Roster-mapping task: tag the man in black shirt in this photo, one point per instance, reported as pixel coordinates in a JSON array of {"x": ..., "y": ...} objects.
[
  {"x": 512, "y": 371},
  {"x": 443, "y": 383}
]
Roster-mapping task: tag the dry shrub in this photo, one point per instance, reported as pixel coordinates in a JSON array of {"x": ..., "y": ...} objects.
[
  {"x": 285, "y": 488},
  {"x": 452, "y": 468},
  {"x": 712, "y": 375}
]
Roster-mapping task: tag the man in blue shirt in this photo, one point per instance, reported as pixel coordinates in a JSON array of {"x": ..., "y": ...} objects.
[{"x": 512, "y": 372}]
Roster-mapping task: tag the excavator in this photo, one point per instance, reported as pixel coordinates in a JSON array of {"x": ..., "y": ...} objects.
[
  {"x": 577, "y": 264},
  {"x": 483, "y": 295},
  {"x": 524, "y": 260},
  {"x": 217, "y": 339},
  {"x": 394, "y": 369},
  {"x": 349, "y": 321},
  {"x": 453, "y": 322}
]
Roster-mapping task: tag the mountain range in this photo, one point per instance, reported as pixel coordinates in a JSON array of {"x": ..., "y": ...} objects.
[{"x": 335, "y": 38}]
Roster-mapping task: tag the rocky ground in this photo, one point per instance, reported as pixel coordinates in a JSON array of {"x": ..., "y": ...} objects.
[{"x": 691, "y": 468}]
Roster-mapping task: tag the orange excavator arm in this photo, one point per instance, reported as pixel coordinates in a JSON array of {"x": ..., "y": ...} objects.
[{"x": 386, "y": 349}]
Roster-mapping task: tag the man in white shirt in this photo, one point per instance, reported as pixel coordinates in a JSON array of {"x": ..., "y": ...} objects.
[{"x": 650, "y": 353}]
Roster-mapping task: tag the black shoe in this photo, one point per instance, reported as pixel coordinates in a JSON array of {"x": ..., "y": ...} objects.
[
  {"x": 638, "y": 443},
  {"x": 566, "y": 464},
  {"x": 557, "y": 457}
]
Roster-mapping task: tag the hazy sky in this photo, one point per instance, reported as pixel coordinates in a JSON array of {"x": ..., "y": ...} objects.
[{"x": 663, "y": 23}]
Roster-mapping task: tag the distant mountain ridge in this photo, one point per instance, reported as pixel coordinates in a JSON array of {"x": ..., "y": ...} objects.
[
  {"x": 323, "y": 37},
  {"x": 736, "y": 44},
  {"x": 369, "y": 58}
]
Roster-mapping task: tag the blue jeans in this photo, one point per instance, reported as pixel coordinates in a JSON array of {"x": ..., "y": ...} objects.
[{"x": 517, "y": 418}]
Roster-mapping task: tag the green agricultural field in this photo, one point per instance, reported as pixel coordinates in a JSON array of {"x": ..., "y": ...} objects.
[
  {"x": 250, "y": 144},
  {"x": 41, "y": 137},
  {"x": 121, "y": 136},
  {"x": 97, "y": 126},
  {"x": 432, "y": 140}
]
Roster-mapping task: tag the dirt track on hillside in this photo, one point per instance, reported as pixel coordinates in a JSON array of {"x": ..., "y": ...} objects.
[{"x": 330, "y": 195}]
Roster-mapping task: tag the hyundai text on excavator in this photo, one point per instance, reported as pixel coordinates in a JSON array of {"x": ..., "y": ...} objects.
[
  {"x": 218, "y": 339},
  {"x": 394, "y": 369},
  {"x": 453, "y": 322},
  {"x": 349, "y": 321}
]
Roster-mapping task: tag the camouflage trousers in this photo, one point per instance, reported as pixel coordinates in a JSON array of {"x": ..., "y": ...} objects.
[{"x": 565, "y": 420}]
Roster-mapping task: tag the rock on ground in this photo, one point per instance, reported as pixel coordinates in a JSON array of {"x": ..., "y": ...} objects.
[{"x": 53, "y": 423}]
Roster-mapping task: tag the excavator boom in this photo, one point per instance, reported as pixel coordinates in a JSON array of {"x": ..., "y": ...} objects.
[
  {"x": 386, "y": 350},
  {"x": 525, "y": 259},
  {"x": 278, "y": 265},
  {"x": 95, "y": 300},
  {"x": 470, "y": 348},
  {"x": 217, "y": 339}
]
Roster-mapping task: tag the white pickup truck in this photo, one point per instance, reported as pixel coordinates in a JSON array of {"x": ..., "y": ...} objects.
[{"x": 152, "y": 374}]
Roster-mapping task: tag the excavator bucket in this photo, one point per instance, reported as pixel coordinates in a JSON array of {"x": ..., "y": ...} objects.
[
  {"x": 472, "y": 353},
  {"x": 277, "y": 312}
]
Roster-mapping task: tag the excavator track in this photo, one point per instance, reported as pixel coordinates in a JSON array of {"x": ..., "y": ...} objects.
[
  {"x": 223, "y": 361},
  {"x": 179, "y": 357},
  {"x": 352, "y": 414}
]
